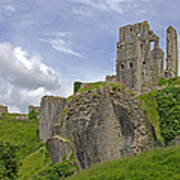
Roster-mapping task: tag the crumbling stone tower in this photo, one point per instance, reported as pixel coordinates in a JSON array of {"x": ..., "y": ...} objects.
[
  {"x": 140, "y": 60},
  {"x": 172, "y": 52}
]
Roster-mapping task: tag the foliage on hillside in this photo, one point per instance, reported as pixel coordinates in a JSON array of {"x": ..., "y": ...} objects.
[
  {"x": 168, "y": 100},
  {"x": 8, "y": 161},
  {"x": 32, "y": 115},
  {"x": 162, "y": 163},
  {"x": 58, "y": 171},
  {"x": 149, "y": 104}
]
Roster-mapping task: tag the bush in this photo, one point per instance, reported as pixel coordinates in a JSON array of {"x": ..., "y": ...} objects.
[
  {"x": 32, "y": 115},
  {"x": 77, "y": 86},
  {"x": 58, "y": 171},
  {"x": 8, "y": 161},
  {"x": 169, "y": 109}
]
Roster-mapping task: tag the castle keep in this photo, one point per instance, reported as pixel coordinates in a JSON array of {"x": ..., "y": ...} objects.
[{"x": 140, "y": 60}]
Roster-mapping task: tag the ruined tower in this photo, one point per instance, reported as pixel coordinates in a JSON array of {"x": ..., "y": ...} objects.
[
  {"x": 139, "y": 62},
  {"x": 172, "y": 52}
]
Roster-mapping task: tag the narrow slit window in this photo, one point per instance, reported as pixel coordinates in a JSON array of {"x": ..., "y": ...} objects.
[{"x": 152, "y": 45}]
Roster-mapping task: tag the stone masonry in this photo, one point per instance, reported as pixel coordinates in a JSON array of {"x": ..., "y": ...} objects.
[
  {"x": 140, "y": 60},
  {"x": 172, "y": 52},
  {"x": 50, "y": 116},
  {"x": 34, "y": 108},
  {"x": 3, "y": 110}
]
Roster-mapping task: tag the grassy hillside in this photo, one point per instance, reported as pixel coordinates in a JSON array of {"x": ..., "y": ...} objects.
[
  {"x": 158, "y": 164},
  {"x": 33, "y": 157},
  {"x": 22, "y": 133},
  {"x": 31, "y": 154},
  {"x": 34, "y": 163}
]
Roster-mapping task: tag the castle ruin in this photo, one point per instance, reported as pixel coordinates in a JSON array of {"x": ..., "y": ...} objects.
[
  {"x": 3, "y": 110},
  {"x": 140, "y": 60}
]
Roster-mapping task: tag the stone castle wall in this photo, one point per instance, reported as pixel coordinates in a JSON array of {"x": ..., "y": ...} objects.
[
  {"x": 3, "y": 110},
  {"x": 140, "y": 60},
  {"x": 34, "y": 108},
  {"x": 50, "y": 116}
]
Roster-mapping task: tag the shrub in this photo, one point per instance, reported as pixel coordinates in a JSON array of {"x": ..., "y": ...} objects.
[
  {"x": 77, "y": 86},
  {"x": 58, "y": 171},
  {"x": 32, "y": 115},
  {"x": 169, "y": 109},
  {"x": 8, "y": 161},
  {"x": 149, "y": 104}
]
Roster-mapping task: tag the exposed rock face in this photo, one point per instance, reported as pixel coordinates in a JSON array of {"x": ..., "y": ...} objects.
[
  {"x": 58, "y": 148},
  {"x": 50, "y": 116},
  {"x": 106, "y": 124}
]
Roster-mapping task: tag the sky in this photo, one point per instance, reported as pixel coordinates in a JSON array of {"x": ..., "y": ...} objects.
[{"x": 46, "y": 45}]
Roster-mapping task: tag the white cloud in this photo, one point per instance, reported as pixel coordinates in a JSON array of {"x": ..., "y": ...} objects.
[
  {"x": 7, "y": 10},
  {"x": 119, "y": 6},
  {"x": 57, "y": 41},
  {"x": 24, "y": 80}
]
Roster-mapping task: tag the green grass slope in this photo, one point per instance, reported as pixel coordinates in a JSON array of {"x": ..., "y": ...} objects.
[
  {"x": 158, "y": 164},
  {"x": 22, "y": 133},
  {"x": 34, "y": 163},
  {"x": 32, "y": 155}
]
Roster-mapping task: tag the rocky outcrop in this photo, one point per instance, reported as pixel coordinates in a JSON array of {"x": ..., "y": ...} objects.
[
  {"x": 59, "y": 148},
  {"x": 105, "y": 124},
  {"x": 50, "y": 116}
]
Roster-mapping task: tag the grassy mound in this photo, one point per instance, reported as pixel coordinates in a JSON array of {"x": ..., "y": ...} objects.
[{"x": 162, "y": 163}]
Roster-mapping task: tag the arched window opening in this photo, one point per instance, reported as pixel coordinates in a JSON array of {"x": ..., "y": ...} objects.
[
  {"x": 122, "y": 66},
  {"x": 131, "y": 65}
]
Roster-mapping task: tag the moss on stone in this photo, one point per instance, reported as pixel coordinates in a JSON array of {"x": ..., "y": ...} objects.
[
  {"x": 91, "y": 86},
  {"x": 117, "y": 86},
  {"x": 149, "y": 104}
]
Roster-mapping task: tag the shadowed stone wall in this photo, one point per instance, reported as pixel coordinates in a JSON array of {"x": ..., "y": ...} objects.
[{"x": 3, "y": 110}]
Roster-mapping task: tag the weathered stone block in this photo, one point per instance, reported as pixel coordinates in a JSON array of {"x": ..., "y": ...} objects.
[
  {"x": 50, "y": 116},
  {"x": 58, "y": 148},
  {"x": 3, "y": 110}
]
